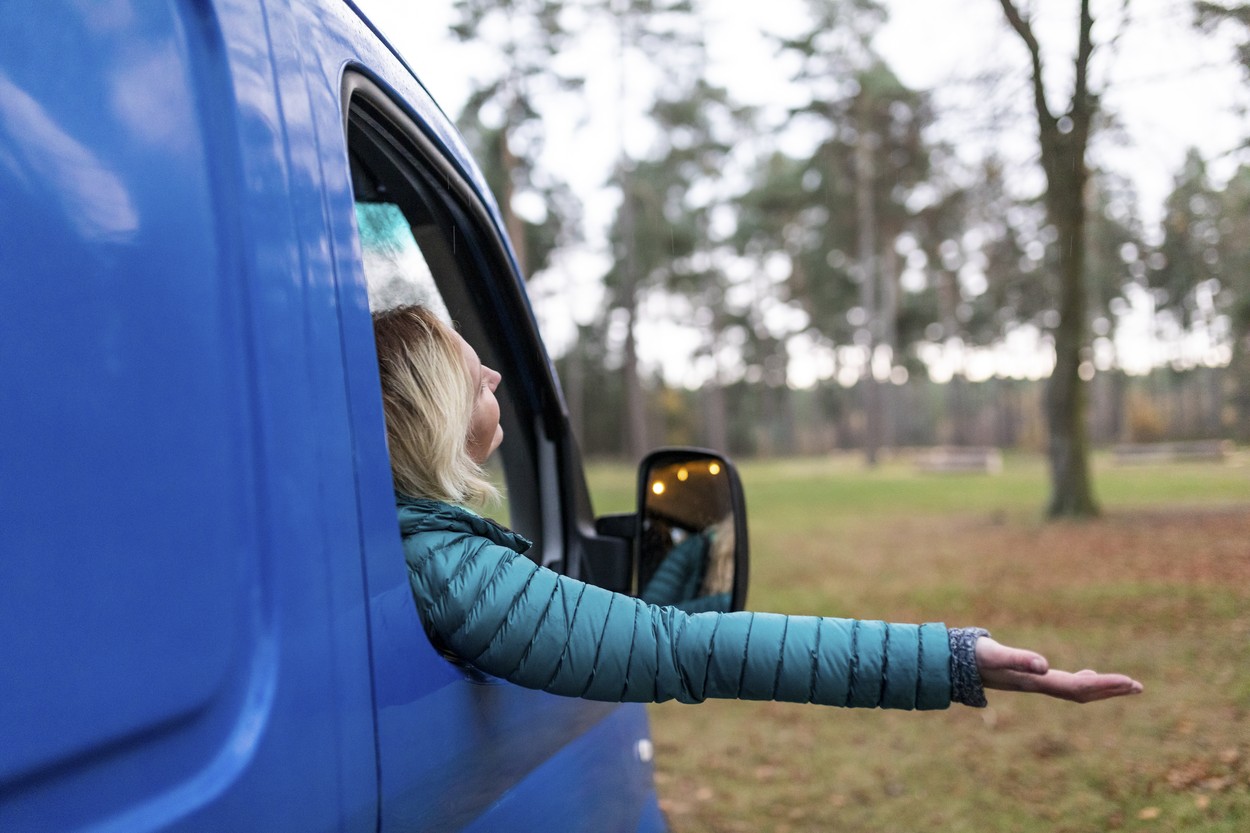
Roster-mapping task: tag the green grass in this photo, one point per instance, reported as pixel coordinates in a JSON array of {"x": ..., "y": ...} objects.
[{"x": 1158, "y": 587}]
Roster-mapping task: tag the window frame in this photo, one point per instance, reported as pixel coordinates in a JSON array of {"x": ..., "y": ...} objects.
[{"x": 481, "y": 289}]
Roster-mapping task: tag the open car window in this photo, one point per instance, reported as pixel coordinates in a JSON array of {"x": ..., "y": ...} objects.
[{"x": 417, "y": 248}]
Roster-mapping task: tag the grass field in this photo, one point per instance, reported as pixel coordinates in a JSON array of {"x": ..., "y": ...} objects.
[{"x": 1158, "y": 588}]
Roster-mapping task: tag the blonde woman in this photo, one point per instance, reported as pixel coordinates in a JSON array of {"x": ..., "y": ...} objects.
[{"x": 482, "y": 601}]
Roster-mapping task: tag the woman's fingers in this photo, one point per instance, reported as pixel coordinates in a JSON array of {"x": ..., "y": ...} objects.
[
  {"x": 993, "y": 656},
  {"x": 1016, "y": 669},
  {"x": 1085, "y": 686}
]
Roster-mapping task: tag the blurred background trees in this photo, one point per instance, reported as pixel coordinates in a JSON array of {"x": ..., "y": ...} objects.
[
  {"x": 841, "y": 270},
  {"x": 503, "y": 122}
]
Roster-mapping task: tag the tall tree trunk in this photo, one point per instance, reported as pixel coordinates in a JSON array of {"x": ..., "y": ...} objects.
[
  {"x": 786, "y": 421},
  {"x": 1063, "y": 141},
  {"x": 516, "y": 227},
  {"x": 1239, "y": 367},
  {"x": 958, "y": 420},
  {"x": 715, "y": 426},
  {"x": 1071, "y": 493},
  {"x": 1211, "y": 424},
  {"x": 575, "y": 389},
  {"x": 958, "y": 409},
  {"x": 715, "y": 410},
  {"x": 1006, "y": 413},
  {"x": 867, "y": 244},
  {"x": 887, "y": 313},
  {"x": 635, "y": 403}
]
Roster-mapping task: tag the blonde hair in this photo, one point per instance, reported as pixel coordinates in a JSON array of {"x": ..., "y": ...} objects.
[
  {"x": 428, "y": 400},
  {"x": 718, "y": 577}
]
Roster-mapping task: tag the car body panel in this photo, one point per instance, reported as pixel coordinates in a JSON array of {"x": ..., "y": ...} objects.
[{"x": 205, "y": 604}]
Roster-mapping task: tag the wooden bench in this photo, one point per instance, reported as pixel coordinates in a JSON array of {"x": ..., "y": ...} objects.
[
  {"x": 960, "y": 459},
  {"x": 1193, "y": 451}
]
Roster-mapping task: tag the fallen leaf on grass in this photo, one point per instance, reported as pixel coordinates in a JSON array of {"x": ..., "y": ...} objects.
[
  {"x": 1189, "y": 774},
  {"x": 1050, "y": 746},
  {"x": 1217, "y": 784},
  {"x": 1148, "y": 813},
  {"x": 674, "y": 808}
]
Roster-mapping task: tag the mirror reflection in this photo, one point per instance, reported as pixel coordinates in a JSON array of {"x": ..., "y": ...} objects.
[{"x": 687, "y": 548}]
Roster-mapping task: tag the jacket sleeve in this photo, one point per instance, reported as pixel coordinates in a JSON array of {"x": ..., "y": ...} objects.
[
  {"x": 531, "y": 626},
  {"x": 679, "y": 575}
]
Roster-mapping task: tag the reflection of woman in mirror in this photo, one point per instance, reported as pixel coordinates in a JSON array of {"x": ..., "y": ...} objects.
[
  {"x": 482, "y": 600},
  {"x": 695, "y": 571},
  {"x": 686, "y": 555}
]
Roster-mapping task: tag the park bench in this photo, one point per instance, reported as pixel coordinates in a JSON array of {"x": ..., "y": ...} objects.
[
  {"x": 1215, "y": 451},
  {"x": 960, "y": 459}
]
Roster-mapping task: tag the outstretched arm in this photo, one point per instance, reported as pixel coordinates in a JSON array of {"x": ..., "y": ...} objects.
[
  {"x": 1016, "y": 669},
  {"x": 510, "y": 618}
]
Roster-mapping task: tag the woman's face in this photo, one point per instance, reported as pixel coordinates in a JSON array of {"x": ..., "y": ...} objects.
[{"x": 485, "y": 432}]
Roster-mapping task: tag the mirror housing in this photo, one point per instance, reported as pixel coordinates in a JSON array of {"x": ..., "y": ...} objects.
[{"x": 691, "y": 534}]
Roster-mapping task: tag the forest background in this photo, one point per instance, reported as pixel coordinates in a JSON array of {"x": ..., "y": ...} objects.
[{"x": 754, "y": 234}]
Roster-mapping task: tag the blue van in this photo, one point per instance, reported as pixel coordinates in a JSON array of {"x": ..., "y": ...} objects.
[{"x": 205, "y": 620}]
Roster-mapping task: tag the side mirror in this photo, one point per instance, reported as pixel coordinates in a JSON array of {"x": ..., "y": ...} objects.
[{"x": 692, "y": 531}]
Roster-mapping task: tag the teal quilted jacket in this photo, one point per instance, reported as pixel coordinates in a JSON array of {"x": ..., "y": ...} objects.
[{"x": 482, "y": 600}]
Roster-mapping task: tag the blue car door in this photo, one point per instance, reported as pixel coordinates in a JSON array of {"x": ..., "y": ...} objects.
[{"x": 181, "y": 593}]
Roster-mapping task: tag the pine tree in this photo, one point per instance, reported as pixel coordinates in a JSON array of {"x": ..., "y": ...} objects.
[{"x": 845, "y": 272}]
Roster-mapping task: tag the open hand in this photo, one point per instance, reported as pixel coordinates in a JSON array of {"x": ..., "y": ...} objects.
[{"x": 1015, "y": 669}]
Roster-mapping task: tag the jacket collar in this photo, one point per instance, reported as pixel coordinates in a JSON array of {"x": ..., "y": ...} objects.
[{"x": 418, "y": 514}]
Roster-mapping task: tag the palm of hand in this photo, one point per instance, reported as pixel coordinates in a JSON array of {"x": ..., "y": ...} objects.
[{"x": 1016, "y": 669}]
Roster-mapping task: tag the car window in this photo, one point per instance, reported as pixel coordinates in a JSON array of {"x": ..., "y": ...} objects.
[{"x": 415, "y": 249}]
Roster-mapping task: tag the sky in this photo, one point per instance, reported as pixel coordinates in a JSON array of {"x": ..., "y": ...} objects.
[{"x": 1170, "y": 87}]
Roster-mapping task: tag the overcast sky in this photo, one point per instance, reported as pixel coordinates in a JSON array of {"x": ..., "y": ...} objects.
[{"x": 1172, "y": 88}]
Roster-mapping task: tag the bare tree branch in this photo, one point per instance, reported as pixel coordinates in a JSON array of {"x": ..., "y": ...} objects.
[
  {"x": 1112, "y": 44},
  {"x": 1085, "y": 48},
  {"x": 1025, "y": 30}
]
